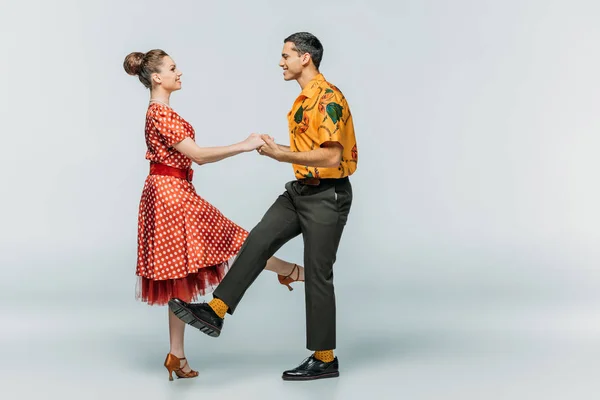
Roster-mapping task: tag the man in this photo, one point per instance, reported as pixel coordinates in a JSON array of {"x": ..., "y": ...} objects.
[{"x": 323, "y": 154}]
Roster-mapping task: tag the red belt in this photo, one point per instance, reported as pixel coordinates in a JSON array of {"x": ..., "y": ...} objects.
[{"x": 162, "y": 169}]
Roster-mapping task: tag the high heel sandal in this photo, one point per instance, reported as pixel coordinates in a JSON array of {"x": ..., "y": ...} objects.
[
  {"x": 286, "y": 280},
  {"x": 172, "y": 363}
]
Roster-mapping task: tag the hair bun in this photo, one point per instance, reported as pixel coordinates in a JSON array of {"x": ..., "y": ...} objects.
[{"x": 133, "y": 63}]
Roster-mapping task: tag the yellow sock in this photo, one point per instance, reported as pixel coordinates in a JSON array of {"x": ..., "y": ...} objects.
[
  {"x": 218, "y": 307},
  {"x": 324, "y": 355}
]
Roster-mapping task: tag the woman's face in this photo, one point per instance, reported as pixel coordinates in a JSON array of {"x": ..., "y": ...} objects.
[{"x": 169, "y": 77}]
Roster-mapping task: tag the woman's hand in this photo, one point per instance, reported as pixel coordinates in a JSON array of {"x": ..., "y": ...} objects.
[{"x": 252, "y": 142}]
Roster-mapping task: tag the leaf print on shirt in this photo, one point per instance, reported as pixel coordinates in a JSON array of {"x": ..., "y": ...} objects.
[
  {"x": 303, "y": 125},
  {"x": 298, "y": 115},
  {"x": 325, "y": 99},
  {"x": 334, "y": 110},
  {"x": 308, "y": 173}
]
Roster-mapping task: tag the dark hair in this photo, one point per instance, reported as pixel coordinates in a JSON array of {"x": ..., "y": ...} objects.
[
  {"x": 305, "y": 42},
  {"x": 144, "y": 65}
]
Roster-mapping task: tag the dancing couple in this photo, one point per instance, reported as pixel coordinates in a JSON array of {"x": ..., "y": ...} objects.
[{"x": 188, "y": 248}]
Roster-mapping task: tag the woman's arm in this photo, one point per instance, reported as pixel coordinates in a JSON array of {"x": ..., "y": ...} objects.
[{"x": 205, "y": 155}]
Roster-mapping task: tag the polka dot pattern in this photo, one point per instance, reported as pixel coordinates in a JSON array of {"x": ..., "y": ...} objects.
[
  {"x": 179, "y": 233},
  {"x": 164, "y": 128}
]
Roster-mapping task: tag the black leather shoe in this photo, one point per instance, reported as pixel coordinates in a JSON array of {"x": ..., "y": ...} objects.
[
  {"x": 311, "y": 368},
  {"x": 201, "y": 316}
]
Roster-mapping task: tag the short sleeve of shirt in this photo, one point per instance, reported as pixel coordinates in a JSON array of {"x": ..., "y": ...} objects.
[
  {"x": 332, "y": 112},
  {"x": 170, "y": 127}
]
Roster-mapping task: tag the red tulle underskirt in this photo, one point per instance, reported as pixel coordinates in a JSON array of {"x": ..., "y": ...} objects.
[{"x": 187, "y": 289}]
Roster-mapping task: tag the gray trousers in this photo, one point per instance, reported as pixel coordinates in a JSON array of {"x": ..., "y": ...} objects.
[{"x": 319, "y": 213}]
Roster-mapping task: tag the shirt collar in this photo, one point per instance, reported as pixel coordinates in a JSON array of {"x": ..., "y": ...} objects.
[{"x": 312, "y": 86}]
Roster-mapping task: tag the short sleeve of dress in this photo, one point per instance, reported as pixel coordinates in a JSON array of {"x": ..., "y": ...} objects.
[{"x": 170, "y": 126}]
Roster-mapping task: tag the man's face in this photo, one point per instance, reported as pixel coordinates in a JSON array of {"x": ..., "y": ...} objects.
[{"x": 292, "y": 62}]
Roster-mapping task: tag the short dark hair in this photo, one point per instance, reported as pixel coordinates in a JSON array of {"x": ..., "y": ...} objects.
[{"x": 305, "y": 42}]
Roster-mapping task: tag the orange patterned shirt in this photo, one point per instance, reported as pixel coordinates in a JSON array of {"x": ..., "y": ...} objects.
[{"x": 321, "y": 114}]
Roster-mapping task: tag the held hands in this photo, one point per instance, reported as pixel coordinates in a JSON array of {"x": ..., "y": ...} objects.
[
  {"x": 269, "y": 147},
  {"x": 264, "y": 144},
  {"x": 253, "y": 142}
]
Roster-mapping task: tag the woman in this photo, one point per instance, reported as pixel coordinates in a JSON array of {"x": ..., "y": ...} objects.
[{"x": 184, "y": 243}]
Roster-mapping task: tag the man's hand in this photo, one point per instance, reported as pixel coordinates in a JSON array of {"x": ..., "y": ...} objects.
[
  {"x": 270, "y": 148},
  {"x": 260, "y": 135}
]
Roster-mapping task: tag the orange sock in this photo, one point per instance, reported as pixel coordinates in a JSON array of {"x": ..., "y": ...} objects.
[
  {"x": 324, "y": 355},
  {"x": 218, "y": 307}
]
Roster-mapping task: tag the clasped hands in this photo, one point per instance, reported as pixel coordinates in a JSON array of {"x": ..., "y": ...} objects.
[{"x": 264, "y": 144}]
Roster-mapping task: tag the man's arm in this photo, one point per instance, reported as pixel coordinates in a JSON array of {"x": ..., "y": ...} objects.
[{"x": 329, "y": 155}]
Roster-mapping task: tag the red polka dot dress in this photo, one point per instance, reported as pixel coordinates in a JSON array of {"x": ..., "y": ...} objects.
[{"x": 184, "y": 243}]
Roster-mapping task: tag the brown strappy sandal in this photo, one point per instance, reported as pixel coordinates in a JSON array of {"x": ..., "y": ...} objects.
[
  {"x": 286, "y": 280},
  {"x": 172, "y": 364}
]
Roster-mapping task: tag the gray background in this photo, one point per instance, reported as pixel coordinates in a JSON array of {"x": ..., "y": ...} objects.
[{"x": 468, "y": 268}]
